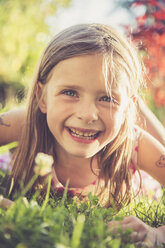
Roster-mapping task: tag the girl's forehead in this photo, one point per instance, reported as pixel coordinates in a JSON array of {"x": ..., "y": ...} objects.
[
  {"x": 88, "y": 69},
  {"x": 86, "y": 63}
]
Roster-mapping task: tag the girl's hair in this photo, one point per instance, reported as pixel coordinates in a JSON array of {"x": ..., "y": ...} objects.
[{"x": 120, "y": 57}]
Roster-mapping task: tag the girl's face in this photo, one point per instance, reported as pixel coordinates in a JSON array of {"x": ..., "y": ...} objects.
[{"x": 80, "y": 115}]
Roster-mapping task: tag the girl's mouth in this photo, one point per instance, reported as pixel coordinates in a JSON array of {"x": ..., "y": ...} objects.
[{"x": 84, "y": 135}]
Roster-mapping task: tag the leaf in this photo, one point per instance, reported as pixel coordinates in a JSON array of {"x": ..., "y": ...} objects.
[
  {"x": 77, "y": 231},
  {"x": 115, "y": 243}
]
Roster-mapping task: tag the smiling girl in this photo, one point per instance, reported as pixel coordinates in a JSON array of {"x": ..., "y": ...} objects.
[{"x": 82, "y": 111}]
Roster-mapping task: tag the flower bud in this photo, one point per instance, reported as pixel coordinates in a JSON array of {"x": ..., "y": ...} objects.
[{"x": 44, "y": 164}]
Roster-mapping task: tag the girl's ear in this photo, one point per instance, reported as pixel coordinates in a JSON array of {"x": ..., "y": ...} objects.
[{"x": 41, "y": 97}]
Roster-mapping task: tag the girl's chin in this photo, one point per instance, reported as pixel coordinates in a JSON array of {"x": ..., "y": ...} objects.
[{"x": 82, "y": 153}]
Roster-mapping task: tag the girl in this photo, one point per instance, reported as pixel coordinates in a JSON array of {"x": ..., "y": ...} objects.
[{"x": 82, "y": 111}]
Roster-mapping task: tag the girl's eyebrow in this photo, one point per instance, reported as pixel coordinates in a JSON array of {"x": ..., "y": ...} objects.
[{"x": 75, "y": 87}]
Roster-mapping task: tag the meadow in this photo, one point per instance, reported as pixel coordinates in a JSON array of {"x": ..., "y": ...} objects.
[{"x": 59, "y": 221}]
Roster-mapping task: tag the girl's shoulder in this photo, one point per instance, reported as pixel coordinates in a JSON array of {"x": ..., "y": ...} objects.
[
  {"x": 146, "y": 182},
  {"x": 143, "y": 145}
]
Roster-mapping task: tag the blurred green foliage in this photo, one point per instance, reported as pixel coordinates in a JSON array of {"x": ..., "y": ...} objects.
[
  {"x": 24, "y": 32},
  {"x": 65, "y": 223}
]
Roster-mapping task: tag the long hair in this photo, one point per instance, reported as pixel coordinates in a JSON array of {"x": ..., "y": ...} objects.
[{"x": 120, "y": 56}]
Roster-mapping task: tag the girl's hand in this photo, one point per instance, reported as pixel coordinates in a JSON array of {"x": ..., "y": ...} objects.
[
  {"x": 5, "y": 203},
  {"x": 142, "y": 233}
]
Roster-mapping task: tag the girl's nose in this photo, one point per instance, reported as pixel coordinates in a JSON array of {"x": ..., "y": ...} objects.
[{"x": 87, "y": 112}]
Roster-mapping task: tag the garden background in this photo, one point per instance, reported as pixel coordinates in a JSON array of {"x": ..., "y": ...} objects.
[{"x": 26, "y": 27}]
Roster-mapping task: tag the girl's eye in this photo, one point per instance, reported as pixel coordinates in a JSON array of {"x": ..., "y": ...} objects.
[
  {"x": 108, "y": 99},
  {"x": 69, "y": 93},
  {"x": 105, "y": 99}
]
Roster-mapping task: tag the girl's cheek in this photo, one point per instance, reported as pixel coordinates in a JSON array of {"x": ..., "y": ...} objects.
[
  {"x": 118, "y": 117},
  {"x": 115, "y": 112}
]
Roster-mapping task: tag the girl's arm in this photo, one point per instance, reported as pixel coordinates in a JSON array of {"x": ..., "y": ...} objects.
[
  {"x": 11, "y": 124},
  {"x": 151, "y": 156},
  {"x": 4, "y": 202},
  {"x": 150, "y": 123}
]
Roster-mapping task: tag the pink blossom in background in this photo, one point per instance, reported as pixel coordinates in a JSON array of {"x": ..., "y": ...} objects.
[{"x": 5, "y": 161}]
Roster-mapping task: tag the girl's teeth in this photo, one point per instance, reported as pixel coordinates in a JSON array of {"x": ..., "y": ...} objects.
[{"x": 82, "y": 134}]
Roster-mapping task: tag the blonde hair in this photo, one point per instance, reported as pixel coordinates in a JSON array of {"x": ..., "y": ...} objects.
[{"x": 120, "y": 56}]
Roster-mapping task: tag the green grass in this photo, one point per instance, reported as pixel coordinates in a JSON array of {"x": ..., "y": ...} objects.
[
  {"x": 61, "y": 222},
  {"x": 6, "y": 148},
  {"x": 64, "y": 223}
]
